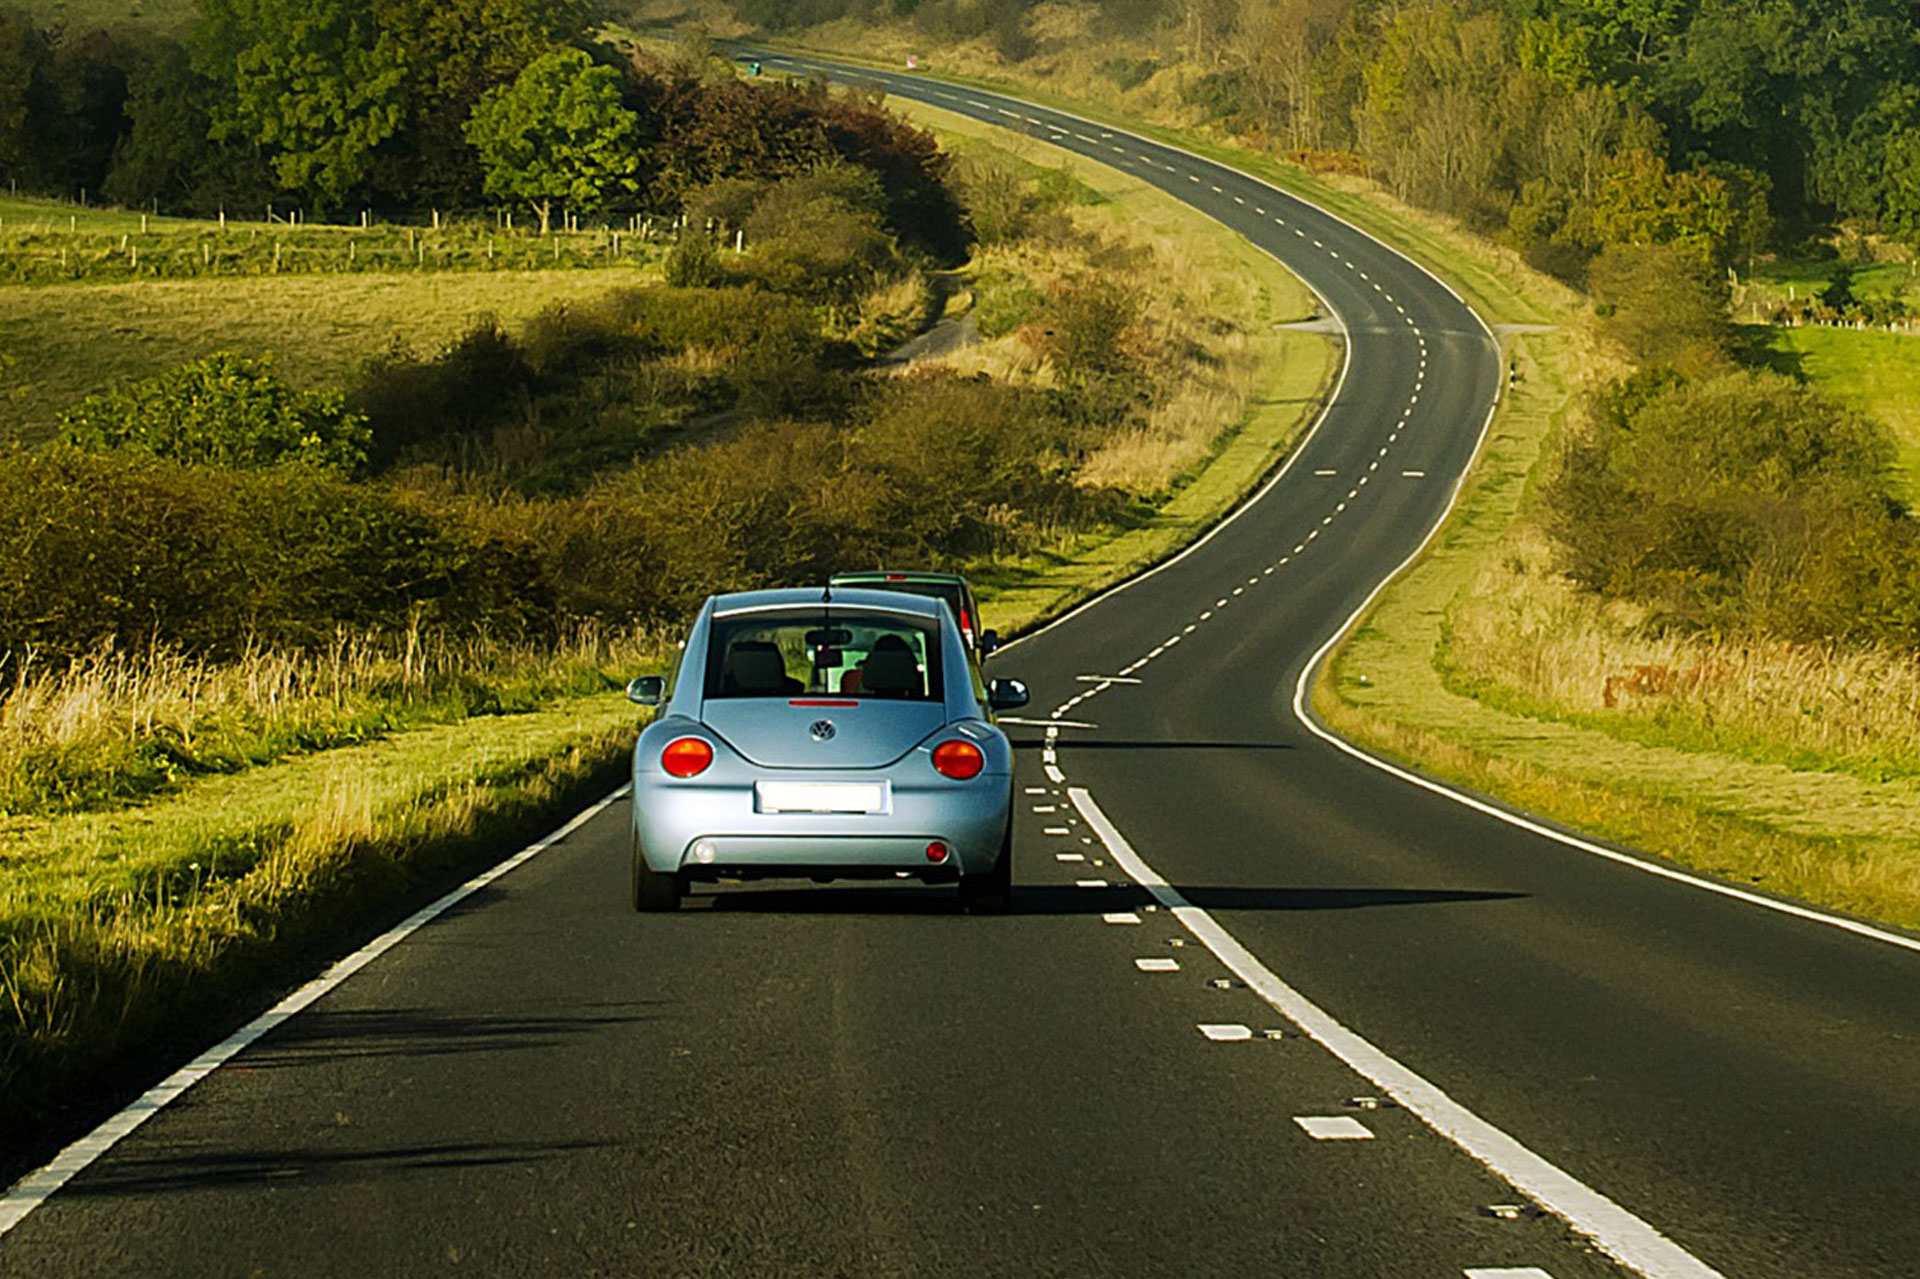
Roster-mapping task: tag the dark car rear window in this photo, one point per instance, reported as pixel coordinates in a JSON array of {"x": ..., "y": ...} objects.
[
  {"x": 951, "y": 592},
  {"x": 837, "y": 654}
]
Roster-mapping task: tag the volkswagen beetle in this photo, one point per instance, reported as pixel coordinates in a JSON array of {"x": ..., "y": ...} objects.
[{"x": 823, "y": 734}]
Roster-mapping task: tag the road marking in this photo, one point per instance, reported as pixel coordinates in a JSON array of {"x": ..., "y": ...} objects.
[
  {"x": 1193, "y": 177},
  {"x": 1054, "y": 775},
  {"x": 1056, "y": 830},
  {"x": 1415, "y": 475},
  {"x": 1218, "y": 191},
  {"x": 984, "y": 106},
  {"x": 1334, "y": 1128},
  {"x": 1157, "y": 965},
  {"x": 1257, "y": 209},
  {"x": 1107, "y": 679},
  {"x": 1191, "y": 627},
  {"x": 37, "y": 1187},
  {"x": 1046, "y": 808},
  {"x": 1120, "y": 917},
  {"x": 1036, "y": 790},
  {"x": 1507, "y": 1272},
  {"x": 1617, "y": 1232},
  {"x": 1224, "y": 1033},
  {"x": 1206, "y": 615},
  {"x": 1326, "y": 472},
  {"x": 1090, "y": 883},
  {"x": 1239, "y": 199},
  {"x": 1084, "y": 138},
  {"x": 1044, "y": 723},
  {"x": 1069, "y": 857}
]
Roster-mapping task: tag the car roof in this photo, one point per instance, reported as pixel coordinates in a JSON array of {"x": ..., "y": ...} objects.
[
  {"x": 809, "y": 597},
  {"x": 899, "y": 575}
]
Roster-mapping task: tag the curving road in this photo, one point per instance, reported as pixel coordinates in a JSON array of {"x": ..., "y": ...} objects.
[{"x": 1262, "y": 1008}]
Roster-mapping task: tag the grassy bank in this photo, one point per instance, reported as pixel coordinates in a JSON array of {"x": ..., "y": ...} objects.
[
  {"x": 71, "y": 341},
  {"x": 127, "y": 929}
]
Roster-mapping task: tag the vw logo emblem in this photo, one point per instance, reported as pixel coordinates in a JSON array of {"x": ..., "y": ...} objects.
[{"x": 822, "y": 730}]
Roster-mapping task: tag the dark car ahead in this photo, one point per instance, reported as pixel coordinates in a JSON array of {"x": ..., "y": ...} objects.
[{"x": 951, "y": 587}]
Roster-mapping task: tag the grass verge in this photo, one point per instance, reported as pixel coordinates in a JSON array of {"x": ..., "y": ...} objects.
[
  {"x": 125, "y": 930},
  {"x": 1843, "y": 841}
]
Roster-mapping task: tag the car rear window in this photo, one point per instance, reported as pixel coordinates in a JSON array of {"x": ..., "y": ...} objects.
[
  {"x": 837, "y": 654},
  {"x": 948, "y": 591}
]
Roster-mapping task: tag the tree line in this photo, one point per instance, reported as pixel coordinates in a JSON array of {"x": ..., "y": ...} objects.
[
  {"x": 341, "y": 105},
  {"x": 1562, "y": 126}
]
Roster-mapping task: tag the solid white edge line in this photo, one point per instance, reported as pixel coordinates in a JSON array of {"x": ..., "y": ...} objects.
[
  {"x": 37, "y": 1187},
  {"x": 1612, "y": 1228}
]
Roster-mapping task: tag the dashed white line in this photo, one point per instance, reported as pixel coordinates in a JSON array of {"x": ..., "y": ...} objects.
[
  {"x": 1157, "y": 965},
  {"x": 1333, "y": 1128},
  {"x": 1069, "y": 857},
  {"x": 1120, "y": 917},
  {"x": 1616, "y": 1231},
  {"x": 1507, "y": 1272},
  {"x": 1224, "y": 1032}
]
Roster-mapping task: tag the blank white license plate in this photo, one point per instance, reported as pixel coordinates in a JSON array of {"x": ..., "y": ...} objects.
[{"x": 820, "y": 797}]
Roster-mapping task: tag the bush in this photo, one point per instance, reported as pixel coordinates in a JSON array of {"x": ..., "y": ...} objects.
[
  {"x": 1665, "y": 305},
  {"x": 1744, "y": 502},
  {"x": 224, "y": 410},
  {"x": 131, "y": 548}
]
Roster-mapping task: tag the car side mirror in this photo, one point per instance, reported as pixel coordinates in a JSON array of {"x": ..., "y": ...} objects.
[
  {"x": 1006, "y": 694},
  {"x": 989, "y": 641},
  {"x": 647, "y": 690}
]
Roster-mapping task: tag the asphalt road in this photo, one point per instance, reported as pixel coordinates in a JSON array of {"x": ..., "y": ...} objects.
[{"x": 856, "y": 1080}]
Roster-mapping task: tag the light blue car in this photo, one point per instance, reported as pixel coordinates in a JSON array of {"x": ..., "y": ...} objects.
[{"x": 824, "y": 734}]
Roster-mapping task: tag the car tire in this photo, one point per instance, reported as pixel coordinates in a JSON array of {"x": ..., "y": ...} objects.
[
  {"x": 654, "y": 890},
  {"x": 991, "y": 891}
]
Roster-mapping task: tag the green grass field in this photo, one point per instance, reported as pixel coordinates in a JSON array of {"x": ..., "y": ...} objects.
[
  {"x": 1873, "y": 370},
  {"x": 71, "y": 341}
]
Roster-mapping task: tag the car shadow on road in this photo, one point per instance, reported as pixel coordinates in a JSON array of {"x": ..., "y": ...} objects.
[
  {"x": 197, "y": 1169},
  {"x": 332, "y": 1035},
  {"x": 1051, "y": 899}
]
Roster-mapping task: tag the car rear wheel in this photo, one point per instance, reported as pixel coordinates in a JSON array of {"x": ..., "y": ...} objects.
[
  {"x": 991, "y": 892},
  {"x": 654, "y": 890}
]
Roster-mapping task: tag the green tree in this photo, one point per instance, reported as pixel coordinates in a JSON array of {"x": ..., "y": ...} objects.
[
  {"x": 317, "y": 84},
  {"x": 559, "y": 132},
  {"x": 455, "y": 51},
  {"x": 224, "y": 410}
]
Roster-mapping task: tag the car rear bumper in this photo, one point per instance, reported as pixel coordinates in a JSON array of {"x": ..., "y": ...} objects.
[{"x": 713, "y": 832}]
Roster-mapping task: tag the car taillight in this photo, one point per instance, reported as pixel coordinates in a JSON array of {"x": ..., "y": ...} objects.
[
  {"x": 686, "y": 757},
  {"x": 958, "y": 760}
]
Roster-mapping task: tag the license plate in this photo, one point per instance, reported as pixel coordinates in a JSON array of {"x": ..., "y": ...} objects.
[{"x": 821, "y": 797}]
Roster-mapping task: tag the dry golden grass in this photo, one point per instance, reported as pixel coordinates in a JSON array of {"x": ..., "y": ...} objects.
[
  {"x": 113, "y": 926},
  {"x": 1522, "y": 635},
  {"x": 121, "y": 725}
]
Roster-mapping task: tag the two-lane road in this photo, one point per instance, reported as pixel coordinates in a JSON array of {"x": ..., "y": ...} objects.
[{"x": 1261, "y": 1008}]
